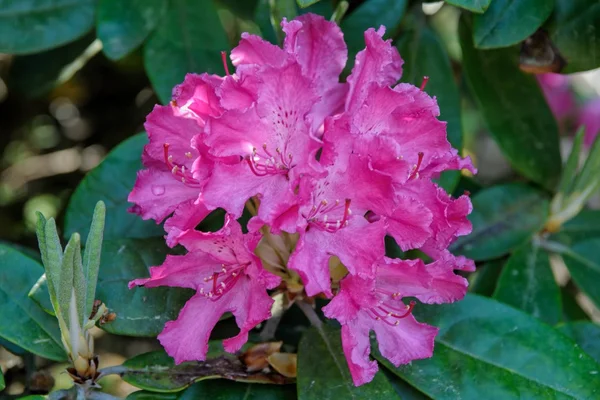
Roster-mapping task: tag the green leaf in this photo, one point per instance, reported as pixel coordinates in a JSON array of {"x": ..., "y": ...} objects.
[
  {"x": 583, "y": 262},
  {"x": 486, "y": 348},
  {"x": 527, "y": 283},
  {"x": 36, "y": 25},
  {"x": 140, "y": 311},
  {"x": 485, "y": 279},
  {"x": 237, "y": 18},
  {"x": 323, "y": 372},
  {"x": 370, "y": 14},
  {"x": 576, "y": 33},
  {"x": 54, "y": 258},
  {"x": 39, "y": 293},
  {"x": 572, "y": 311},
  {"x": 2, "y": 384},
  {"x": 91, "y": 256},
  {"x": 306, "y": 3},
  {"x": 66, "y": 282},
  {"x": 36, "y": 74},
  {"x": 222, "y": 390},
  {"x": 586, "y": 335},
  {"x": 570, "y": 170},
  {"x": 403, "y": 388},
  {"x": 189, "y": 39},
  {"x": 508, "y": 22},
  {"x": 514, "y": 109},
  {"x": 23, "y": 323},
  {"x": 279, "y": 9},
  {"x": 117, "y": 172},
  {"x": 584, "y": 226},
  {"x": 477, "y": 6},
  {"x": 157, "y": 372},
  {"x": 124, "y": 25},
  {"x": 503, "y": 217}
]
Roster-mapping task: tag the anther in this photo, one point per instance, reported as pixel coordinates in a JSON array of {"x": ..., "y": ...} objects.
[{"x": 188, "y": 154}]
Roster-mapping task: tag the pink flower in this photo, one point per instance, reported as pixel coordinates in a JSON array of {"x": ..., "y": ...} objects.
[
  {"x": 589, "y": 117},
  {"x": 327, "y": 169},
  {"x": 363, "y": 305},
  {"x": 227, "y": 277},
  {"x": 558, "y": 94}
]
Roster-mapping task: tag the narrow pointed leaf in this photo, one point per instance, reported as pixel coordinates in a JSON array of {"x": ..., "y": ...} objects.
[
  {"x": 79, "y": 286},
  {"x": 54, "y": 257},
  {"x": 123, "y": 26},
  {"x": 23, "y": 323},
  {"x": 583, "y": 226},
  {"x": 65, "y": 286},
  {"x": 570, "y": 170},
  {"x": 586, "y": 335},
  {"x": 513, "y": 108},
  {"x": 486, "y": 348},
  {"x": 583, "y": 262},
  {"x": 588, "y": 176},
  {"x": 503, "y": 217},
  {"x": 527, "y": 283},
  {"x": 91, "y": 256},
  {"x": 323, "y": 372}
]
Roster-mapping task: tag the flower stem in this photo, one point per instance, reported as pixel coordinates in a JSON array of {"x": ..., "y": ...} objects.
[{"x": 311, "y": 315}]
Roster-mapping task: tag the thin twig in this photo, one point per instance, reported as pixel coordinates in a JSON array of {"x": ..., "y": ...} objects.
[{"x": 311, "y": 315}]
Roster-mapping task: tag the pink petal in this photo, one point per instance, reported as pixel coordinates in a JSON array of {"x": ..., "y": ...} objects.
[
  {"x": 318, "y": 46},
  {"x": 357, "y": 347},
  {"x": 197, "y": 95},
  {"x": 158, "y": 193},
  {"x": 187, "y": 216},
  {"x": 253, "y": 49},
  {"x": 409, "y": 223},
  {"x": 379, "y": 63}
]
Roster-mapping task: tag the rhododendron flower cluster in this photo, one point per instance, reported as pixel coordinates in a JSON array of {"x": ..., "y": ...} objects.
[{"x": 327, "y": 170}]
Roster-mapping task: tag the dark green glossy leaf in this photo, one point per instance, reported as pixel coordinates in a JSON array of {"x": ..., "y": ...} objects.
[
  {"x": 39, "y": 293},
  {"x": 140, "y": 311},
  {"x": 223, "y": 390},
  {"x": 527, "y": 283},
  {"x": 117, "y": 172},
  {"x": 477, "y": 6},
  {"x": 23, "y": 322},
  {"x": 586, "y": 335},
  {"x": 36, "y": 25},
  {"x": 572, "y": 311},
  {"x": 237, "y": 18},
  {"x": 576, "y": 33},
  {"x": 306, "y": 3},
  {"x": 403, "y": 388},
  {"x": 370, "y": 14},
  {"x": 157, "y": 372},
  {"x": 323, "y": 372},
  {"x": 583, "y": 262},
  {"x": 514, "y": 109},
  {"x": 503, "y": 217},
  {"x": 124, "y": 25},
  {"x": 485, "y": 279},
  {"x": 36, "y": 74},
  {"x": 486, "y": 348},
  {"x": 508, "y": 22},
  {"x": 190, "y": 38},
  {"x": 12, "y": 348},
  {"x": 585, "y": 225}
]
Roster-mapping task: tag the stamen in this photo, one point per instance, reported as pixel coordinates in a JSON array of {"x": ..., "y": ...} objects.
[
  {"x": 415, "y": 172},
  {"x": 223, "y": 280},
  {"x": 267, "y": 163},
  {"x": 225, "y": 66},
  {"x": 424, "y": 83},
  {"x": 179, "y": 171}
]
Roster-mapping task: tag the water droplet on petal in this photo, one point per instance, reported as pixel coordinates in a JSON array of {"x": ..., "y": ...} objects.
[{"x": 158, "y": 190}]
